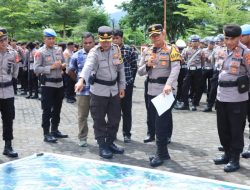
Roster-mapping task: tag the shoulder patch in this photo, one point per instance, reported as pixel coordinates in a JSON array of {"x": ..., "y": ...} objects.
[{"x": 175, "y": 55}]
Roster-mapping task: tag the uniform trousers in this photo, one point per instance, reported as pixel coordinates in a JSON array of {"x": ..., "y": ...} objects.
[
  {"x": 106, "y": 114},
  {"x": 192, "y": 80},
  {"x": 150, "y": 131},
  {"x": 162, "y": 125},
  {"x": 126, "y": 106},
  {"x": 181, "y": 77},
  {"x": 69, "y": 86},
  {"x": 231, "y": 117},
  {"x": 51, "y": 101},
  {"x": 213, "y": 89},
  {"x": 207, "y": 74},
  {"x": 83, "y": 113},
  {"x": 7, "y": 110},
  {"x": 33, "y": 82}
]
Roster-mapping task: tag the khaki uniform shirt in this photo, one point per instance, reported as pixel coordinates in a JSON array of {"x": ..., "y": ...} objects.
[
  {"x": 207, "y": 55},
  {"x": 197, "y": 60},
  {"x": 236, "y": 64},
  {"x": 8, "y": 69},
  {"x": 44, "y": 58},
  {"x": 166, "y": 64},
  {"x": 106, "y": 65}
]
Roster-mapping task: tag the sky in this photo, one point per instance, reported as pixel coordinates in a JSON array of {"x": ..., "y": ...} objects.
[{"x": 109, "y": 5}]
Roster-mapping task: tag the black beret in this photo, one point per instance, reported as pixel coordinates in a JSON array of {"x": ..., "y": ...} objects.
[
  {"x": 105, "y": 33},
  {"x": 3, "y": 33},
  {"x": 232, "y": 30},
  {"x": 155, "y": 29}
]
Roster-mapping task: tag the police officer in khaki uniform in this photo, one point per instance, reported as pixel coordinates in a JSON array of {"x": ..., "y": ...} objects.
[
  {"x": 232, "y": 98},
  {"x": 8, "y": 70},
  {"x": 49, "y": 62},
  {"x": 104, "y": 71},
  {"x": 245, "y": 39},
  {"x": 162, "y": 64}
]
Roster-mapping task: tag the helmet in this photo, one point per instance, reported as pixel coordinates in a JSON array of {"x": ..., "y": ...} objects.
[{"x": 180, "y": 43}]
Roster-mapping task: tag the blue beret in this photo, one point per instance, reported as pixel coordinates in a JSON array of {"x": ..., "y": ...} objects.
[
  {"x": 245, "y": 29},
  {"x": 48, "y": 32}
]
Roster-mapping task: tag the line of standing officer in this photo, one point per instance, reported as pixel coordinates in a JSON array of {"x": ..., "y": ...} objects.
[
  {"x": 232, "y": 98},
  {"x": 49, "y": 62},
  {"x": 162, "y": 64},
  {"x": 8, "y": 70},
  {"x": 104, "y": 70}
]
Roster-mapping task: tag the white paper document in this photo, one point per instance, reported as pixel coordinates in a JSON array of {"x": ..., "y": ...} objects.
[{"x": 163, "y": 102}]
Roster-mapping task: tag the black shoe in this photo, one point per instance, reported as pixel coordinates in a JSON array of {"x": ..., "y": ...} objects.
[
  {"x": 28, "y": 97},
  {"x": 220, "y": 148},
  {"x": 58, "y": 134},
  {"x": 232, "y": 166},
  {"x": 224, "y": 159},
  {"x": 105, "y": 153},
  {"x": 34, "y": 97},
  {"x": 23, "y": 93},
  {"x": 127, "y": 139},
  {"x": 246, "y": 154},
  {"x": 193, "y": 108},
  {"x": 149, "y": 139},
  {"x": 8, "y": 151},
  {"x": 49, "y": 138},
  {"x": 169, "y": 141},
  {"x": 115, "y": 149},
  {"x": 207, "y": 109},
  {"x": 156, "y": 161},
  {"x": 70, "y": 101},
  {"x": 182, "y": 107}
]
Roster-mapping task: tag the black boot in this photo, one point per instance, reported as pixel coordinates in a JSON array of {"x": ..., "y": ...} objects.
[
  {"x": 233, "y": 164},
  {"x": 160, "y": 156},
  {"x": 182, "y": 107},
  {"x": 104, "y": 150},
  {"x": 224, "y": 159},
  {"x": 113, "y": 148},
  {"x": 246, "y": 154},
  {"x": 8, "y": 151}
]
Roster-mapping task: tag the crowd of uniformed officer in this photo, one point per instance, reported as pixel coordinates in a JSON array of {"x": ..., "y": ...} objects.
[{"x": 219, "y": 66}]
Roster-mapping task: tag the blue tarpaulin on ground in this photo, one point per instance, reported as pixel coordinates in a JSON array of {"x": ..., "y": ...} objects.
[{"x": 48, "y": 171}]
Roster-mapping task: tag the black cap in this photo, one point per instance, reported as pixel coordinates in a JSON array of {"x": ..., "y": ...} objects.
[
  {"x": 155, "y": 29},
  {"x": 232, "y": 30},
  {"x": 105, "y": 34},
  {"x": 3, "y": 33}
]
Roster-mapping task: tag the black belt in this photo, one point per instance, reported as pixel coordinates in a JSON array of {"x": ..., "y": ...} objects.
[
  {"x": 228, "y": 83},
  {"x": 160, "y": 80},
  {"x": 53, "y": 79},
  {"x": 104, "y": 82},
  {"x": 5, "y": 84}
]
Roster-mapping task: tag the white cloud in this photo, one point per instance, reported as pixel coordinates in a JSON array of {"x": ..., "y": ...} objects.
[{"x": 109, "y": 5}]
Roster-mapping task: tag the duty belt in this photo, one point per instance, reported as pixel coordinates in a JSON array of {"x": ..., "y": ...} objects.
[
  {"x": 5, "y": 84},
  {"x": 228, "y": 83},
  {"x": 208, "y": 68},
  {"x": 193, "y": 67},
  {"x": 184, "y": 66},
  {"x": 53, "y": 80},
  {"x": 104, "y": 82},
  {"x": 160, "y": 80}
]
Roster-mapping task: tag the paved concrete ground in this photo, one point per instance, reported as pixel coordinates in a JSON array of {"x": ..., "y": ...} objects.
[{"x": 194, "y": 143}]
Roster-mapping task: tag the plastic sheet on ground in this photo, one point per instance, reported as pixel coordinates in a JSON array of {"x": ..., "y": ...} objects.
[{"x": 48, "y": 171}]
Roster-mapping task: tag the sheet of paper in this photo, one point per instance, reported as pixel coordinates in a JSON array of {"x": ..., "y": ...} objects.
[{"x": 163, "y": 102}]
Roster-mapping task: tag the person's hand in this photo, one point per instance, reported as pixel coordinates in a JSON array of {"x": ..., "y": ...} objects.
[
  {"x": 56, "y": 65},
  {"x": 167, "y": 89},
  {"x": 79, "y": 85},
  {"x": 122, "y": 93},
  {"x": 63, "y": 66}
]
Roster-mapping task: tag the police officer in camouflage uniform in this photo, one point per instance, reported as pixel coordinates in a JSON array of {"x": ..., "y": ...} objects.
[
  {"x": 49, "y": 62},
  {"x": 162, "y": 64},
  {"x": 8, "y": 70},
  {"x": 104, "y": 70},
  {"x": 232, "y": 98}
]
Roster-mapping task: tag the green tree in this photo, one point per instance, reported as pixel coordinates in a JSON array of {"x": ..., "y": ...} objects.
[
  {"x": 147, "y": 12},
  {"x": 214, "y": 14},
  {"x": 96, "y": 21}
]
